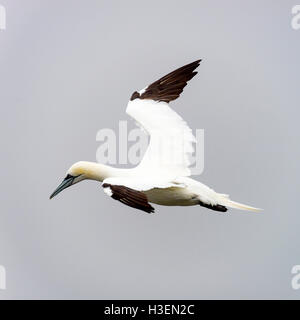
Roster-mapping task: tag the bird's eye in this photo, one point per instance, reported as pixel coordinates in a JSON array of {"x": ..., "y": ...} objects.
[{"x": 68, "y": 177}]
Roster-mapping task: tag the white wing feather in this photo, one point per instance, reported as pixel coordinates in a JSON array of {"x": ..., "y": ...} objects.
[
  {"x": 171, "y": 140},
  {"x": 141, "y": 184}
]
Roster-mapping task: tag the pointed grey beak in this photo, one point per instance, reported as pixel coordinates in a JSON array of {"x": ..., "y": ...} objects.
[{"x": 67, "y": 182}]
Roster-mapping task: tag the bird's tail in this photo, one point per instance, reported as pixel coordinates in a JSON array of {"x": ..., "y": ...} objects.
[{"x": 225, "y": 201}]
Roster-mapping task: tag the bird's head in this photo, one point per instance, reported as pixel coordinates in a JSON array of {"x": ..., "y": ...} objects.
[{"x": 78, "y": 171}]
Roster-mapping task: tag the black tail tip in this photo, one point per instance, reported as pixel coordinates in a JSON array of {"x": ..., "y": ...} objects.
[{"x": 216, "y": 207}]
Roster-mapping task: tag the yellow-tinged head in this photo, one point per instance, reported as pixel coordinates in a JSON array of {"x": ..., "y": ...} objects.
[
  {"x": 80, "y": 171},
  {"x": 84, "y": 168}
]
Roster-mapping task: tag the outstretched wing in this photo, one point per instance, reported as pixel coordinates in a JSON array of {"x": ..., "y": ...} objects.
[
  {"x": 171, "y": 140},
  {"x": 130, "y": 197}
]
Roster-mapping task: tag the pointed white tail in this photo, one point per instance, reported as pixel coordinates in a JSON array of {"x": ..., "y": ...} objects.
[{"x": 225, "y": 201}]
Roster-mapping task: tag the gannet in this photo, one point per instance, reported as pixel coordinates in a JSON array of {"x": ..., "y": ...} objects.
[{"x": 163, "y": 175}]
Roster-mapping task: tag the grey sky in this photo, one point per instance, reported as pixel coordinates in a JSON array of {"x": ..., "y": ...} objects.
[{"x": 68, "y": 69}]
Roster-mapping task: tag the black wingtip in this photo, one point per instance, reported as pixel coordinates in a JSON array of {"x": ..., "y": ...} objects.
[
  {"x": 192, "y": 66},
  {"x": 196, "y": 62},
  {"x": 169, "y": 87},
  {"x": 149, "y": 209},
  {"x": 152, "y": 210}
]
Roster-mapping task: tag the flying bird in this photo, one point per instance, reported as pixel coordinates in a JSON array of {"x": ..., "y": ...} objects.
[{"x": 163, "y": 175}]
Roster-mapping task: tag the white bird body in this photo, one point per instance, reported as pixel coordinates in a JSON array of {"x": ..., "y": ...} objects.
[{"x": 162, "y": 177}]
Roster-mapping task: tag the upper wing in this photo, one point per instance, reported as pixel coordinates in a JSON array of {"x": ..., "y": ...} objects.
[{"x": 171, "y": 140}]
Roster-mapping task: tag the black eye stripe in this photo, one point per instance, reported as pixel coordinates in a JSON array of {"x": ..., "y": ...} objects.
[{"x": 69, "y": 176}]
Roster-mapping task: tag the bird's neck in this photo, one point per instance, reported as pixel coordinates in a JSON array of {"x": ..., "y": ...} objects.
[{"x": 98, "y": 171}]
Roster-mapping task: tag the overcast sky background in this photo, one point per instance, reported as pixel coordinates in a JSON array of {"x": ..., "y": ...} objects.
[{"x": 68, "y": 69}]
